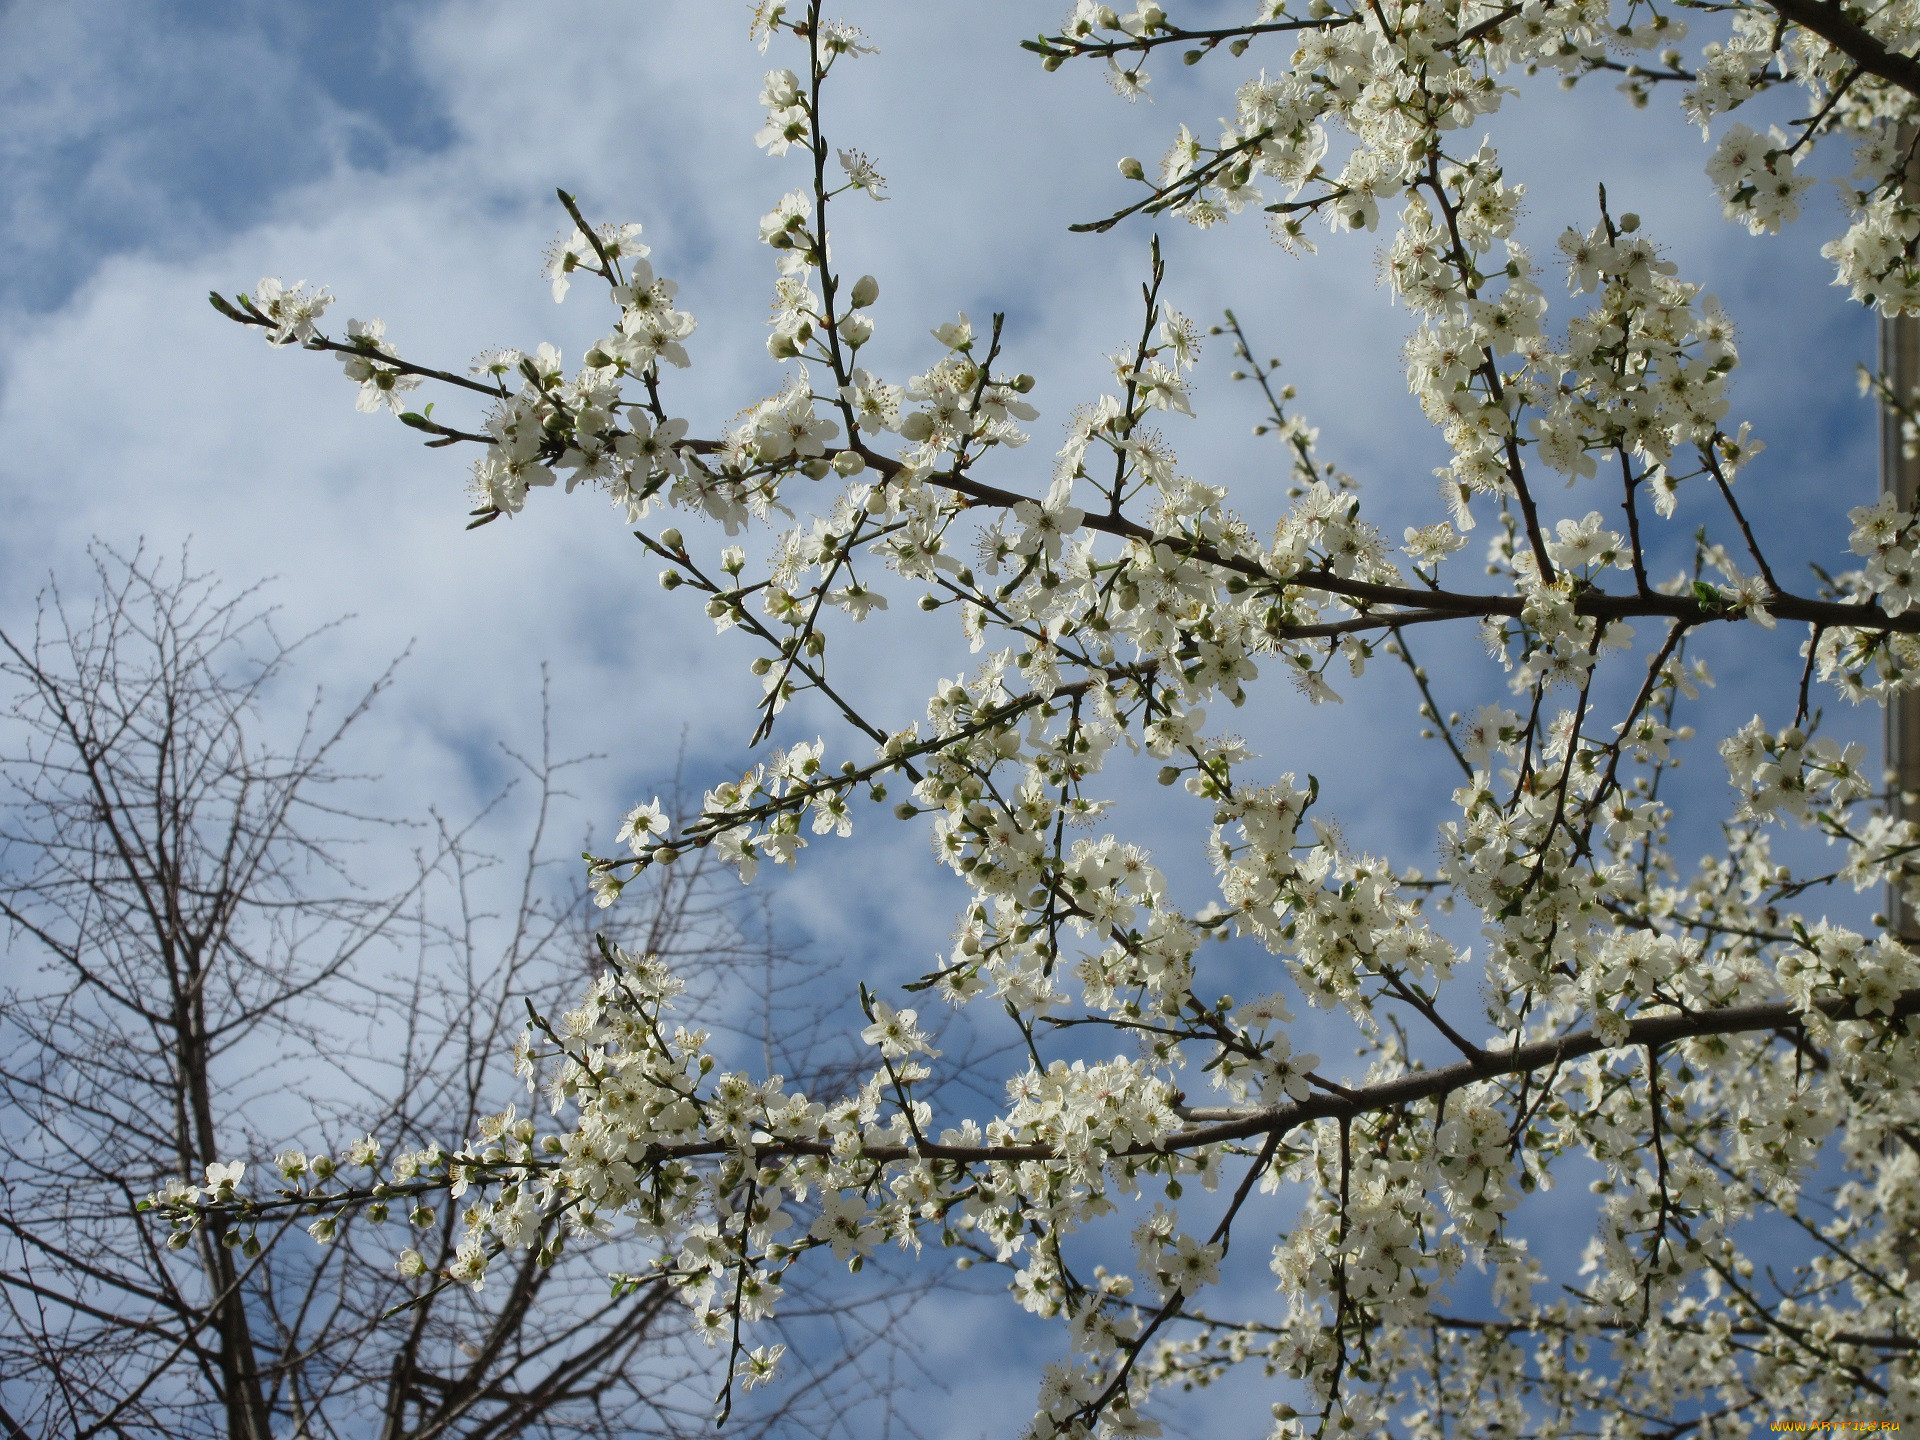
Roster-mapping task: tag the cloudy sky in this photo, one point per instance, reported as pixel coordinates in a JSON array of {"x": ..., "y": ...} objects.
[{"x": 405, "y": 154}]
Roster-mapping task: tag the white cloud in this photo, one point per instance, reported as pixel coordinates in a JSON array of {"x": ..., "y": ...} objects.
[{"x": 132, "y": 410}]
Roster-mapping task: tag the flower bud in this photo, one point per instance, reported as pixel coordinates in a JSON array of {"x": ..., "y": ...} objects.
[
  {"x": 671, "y": 539},
  {"x": 849, "y": 462},
  {"x": 866, "y": 290},
  {"x": 1132, "y": 168},
  {"x": 670, "y": 580}
]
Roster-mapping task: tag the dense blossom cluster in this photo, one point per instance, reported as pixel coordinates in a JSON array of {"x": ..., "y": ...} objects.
[{"x": 1698, "y": 1039}]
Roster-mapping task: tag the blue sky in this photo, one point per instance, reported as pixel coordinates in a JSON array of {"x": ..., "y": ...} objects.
[{"x": 405, "y": 154}]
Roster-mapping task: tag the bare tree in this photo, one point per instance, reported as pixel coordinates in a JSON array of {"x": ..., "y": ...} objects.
[{"x": 194, "y": 969}]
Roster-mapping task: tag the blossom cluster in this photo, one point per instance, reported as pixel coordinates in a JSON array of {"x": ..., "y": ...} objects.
[{"x": 1702, "y": 1037}]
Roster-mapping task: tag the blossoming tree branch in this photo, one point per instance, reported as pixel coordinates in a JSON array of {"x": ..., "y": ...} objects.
[{"x": 1697, "y": 1037}]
